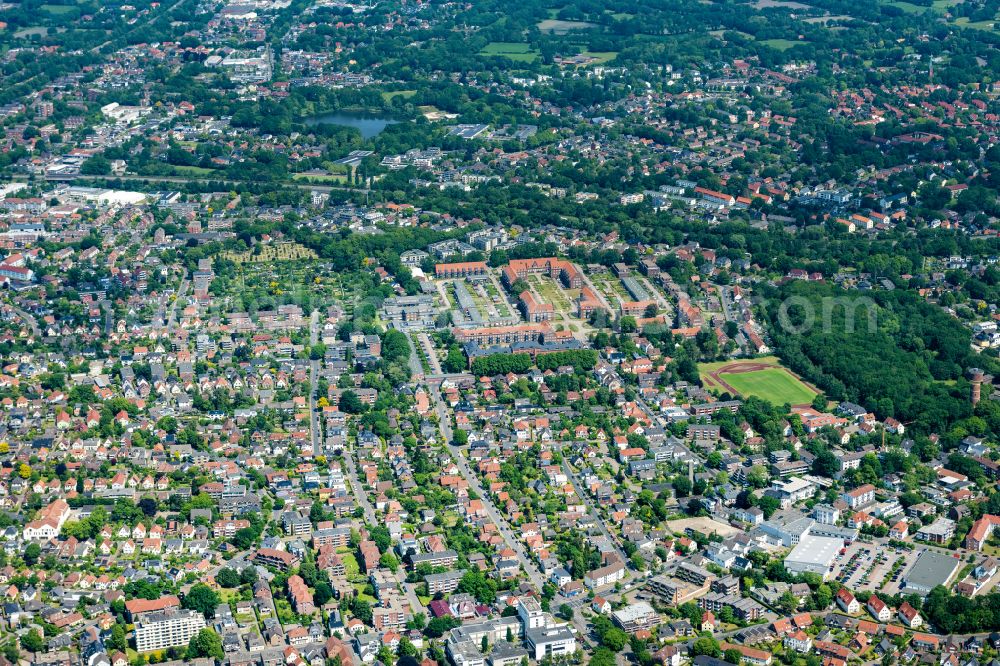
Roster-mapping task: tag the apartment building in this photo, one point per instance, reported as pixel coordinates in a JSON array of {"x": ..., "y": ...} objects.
[{"x": 165, "y": 629}]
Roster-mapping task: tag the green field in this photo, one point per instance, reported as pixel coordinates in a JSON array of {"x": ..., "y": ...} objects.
[
  {"x": 938, "y": 5},
  {"x": 908, "y": 7},
  {"x": 775, "y": 385},
  {"x": 193, "y": 171},
  {"x": 780, "y": 44},
  {"x": 558, "y": 27},
  {"x": 601, "y": 56},
  {"x": 321, "y": 178},
  {"x": 517, "y": 51},
  {"x": 405, "y": 94},
  {"x": 58, "y": 9},
  {"x": 963, "y": 22}
]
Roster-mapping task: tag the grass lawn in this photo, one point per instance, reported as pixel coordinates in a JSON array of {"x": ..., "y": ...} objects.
[
  {"x": 908, "y": 7},
  {"x": 321, "y": 178},
  {"x": 405, "y": 94},
  {"x": 601, "y": 56},
  {"x": 58, "y": 9},
  {"x": 558, "y": 27},
  {"x": 776, "y": 385},
  {"x": 517, "y": 51},
  {"x": 963, "y": 22},
  {"x": 781, "y": 44},
  {"x": 351, "y": 567},
  {"x": 193, "y": 171},
  {"x": 360, "y": 592}
]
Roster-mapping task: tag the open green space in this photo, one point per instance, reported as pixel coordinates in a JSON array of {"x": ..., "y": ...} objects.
[
  {"x": 557, "y": 27},
  {"x": 964, "y": 22},
  {"x": 780, "y": 44},
  {"x": 908, "y": 7},
  {"x": 940, "y": 6},
  {"x": 601, "y": 57},
  {"x": 405, "y": 94},
  {"x": 321, "y": 178},
  {"x": 776, "y": 385},
  {"x": 517, "y": 51},
  {"x": 193, "y": 171},
  {"x": 58, "y": 9}
]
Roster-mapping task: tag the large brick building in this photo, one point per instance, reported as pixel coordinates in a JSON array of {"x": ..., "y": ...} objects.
[
  {"x": 460, "y": 269},
  {"x": 555, "y": 268}
]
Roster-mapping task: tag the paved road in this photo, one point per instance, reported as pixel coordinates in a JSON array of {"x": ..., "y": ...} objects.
[
  {"x": 109, "y": 316},
  {"x": 171, "y": 320},
  {"x": 315, "y": 432},
  {"x": 29, "y": 319},
  {"x": 498, "y": 519},
  {"x": 585, "y": 498},
  {"x": 416, "y": 369},
  {"x": 432, "y": 359},
  {"x": 360, "y": 496},
  {"x": 222, "y": 180},
  {"x": 409, "y": 590}
]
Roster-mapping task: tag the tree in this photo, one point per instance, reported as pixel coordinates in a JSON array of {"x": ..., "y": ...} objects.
[
  {"x": 603, "y": 657},
  {"x": 149, "y": 506},
  {"x": 227, "y": 578},
  {"x": 201, "y": 598},
  {"x": 324, "y": 592},
  {"x": 395, "y": 346},
  {"x": 389, "y": 561},
  {"x": 826, "y": 464},
  {"x": 682, "y": 485},
  {"x": 406, "y": 648},
  {"x": 98, "y": 165},
  {"x": 566, "y": 612},
  {"x": 455, "y": 360},
  {"x": 438, "y": 626},
  {"x": 32, "y": 641},
  {"x": 206, "y": 643},
  {"x": 32, "y": 553},
  {"x": 362, "y": 610},
  {"x": 788, "y": 602},
  {"x": 248, "y": 576},
  {"x": 244, "y": 538},
  {"x": 614, "y": 639},
  {"x": 351, "y": 403},
  {"x": 474, "y": 582},
  {"x": 117, "y": 641},
  {"x": 768, "y": 505},
  {"x": 706, "y": 645}
]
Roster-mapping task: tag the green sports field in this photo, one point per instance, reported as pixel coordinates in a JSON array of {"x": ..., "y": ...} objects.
[{"x": 775, "y": 385}]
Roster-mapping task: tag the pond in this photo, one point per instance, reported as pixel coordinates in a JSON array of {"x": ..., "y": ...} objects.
[{"x": 368, "y": 124}]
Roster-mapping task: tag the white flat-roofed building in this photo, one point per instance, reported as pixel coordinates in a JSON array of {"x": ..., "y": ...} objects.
[
  {"x": 813, "y": 554},
  {"x": 550, "y": 642},
  {"x": 158, "y": 631},
  {"x": 636, "y": 616},
  {"x": 793, "y": 489},
  {"x": 826, "y": 514}
]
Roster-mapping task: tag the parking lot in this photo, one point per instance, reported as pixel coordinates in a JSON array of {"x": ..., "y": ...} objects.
[{"x": 864, "y": 566}]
